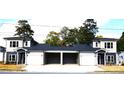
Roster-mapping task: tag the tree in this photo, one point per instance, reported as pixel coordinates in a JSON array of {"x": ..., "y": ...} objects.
[
  {"x": 69, "y": 36},
  {"x": 120, "y": 43},
  {"x": 24, "y": 29},
  {"x": 53, "y": 38},
  {"x": 85, "y": 36},
  {"x": 91, "y": 25},
  {"x": 99, "y": 36}
]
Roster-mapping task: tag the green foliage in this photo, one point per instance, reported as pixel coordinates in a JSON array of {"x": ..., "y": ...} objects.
[
  {"x": 120, "y": 43},
  {"x": 91, "y": 25},
  {"x": 24, "y": 29},
  {"x": 85, "y": 36},
  {"x": 67, "y": 36},
  {"x": 53, "y": 38},
  {"x": 99, "y": 36}
]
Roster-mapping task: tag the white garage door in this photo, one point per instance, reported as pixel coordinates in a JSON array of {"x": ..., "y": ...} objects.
[
  {"x": 35, "y": 58},
  {"x": 87, "y": 59}
]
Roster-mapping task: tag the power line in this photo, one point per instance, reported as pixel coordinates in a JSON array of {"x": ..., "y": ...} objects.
[{"x": 58, "y": 26}]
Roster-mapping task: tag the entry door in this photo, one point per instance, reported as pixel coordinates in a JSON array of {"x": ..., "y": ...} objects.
[
  {"x": 21, "y": 58},
  {"x": 101, "y": 58}
]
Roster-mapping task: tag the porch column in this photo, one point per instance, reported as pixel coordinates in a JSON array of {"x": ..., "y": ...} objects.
[
  {"x": 5, "y": 54},
  {"x": 96, "y": 58},
  {"x": 117, "y": 60},
  {"x": 61, "y": 58},
  {"x": 25, "y": 58},
  {"x": 104, "y": 58},
  {"x": 17, "y": 57}
]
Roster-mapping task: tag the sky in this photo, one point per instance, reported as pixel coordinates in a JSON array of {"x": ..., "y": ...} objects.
[{"x": 51, "y": 15}]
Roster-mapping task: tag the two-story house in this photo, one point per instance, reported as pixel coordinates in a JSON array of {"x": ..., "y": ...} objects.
[
  {"x": 19, "y": 51},
  {"x": 108, "y": 53}
]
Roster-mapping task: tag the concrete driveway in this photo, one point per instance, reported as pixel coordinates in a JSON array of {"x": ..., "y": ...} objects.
[{"x": 69, "y": 68}]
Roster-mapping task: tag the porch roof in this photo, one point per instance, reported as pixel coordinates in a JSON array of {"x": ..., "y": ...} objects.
[{"x": 2, "y": 49}]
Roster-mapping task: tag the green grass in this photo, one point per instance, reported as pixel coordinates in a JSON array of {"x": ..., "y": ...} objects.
[
  {"x": 8, "y": 67},
  {"x": 113, "y": 68}
]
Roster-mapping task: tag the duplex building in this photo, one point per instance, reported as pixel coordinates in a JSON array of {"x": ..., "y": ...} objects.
[{"x": 27, "y": 51}]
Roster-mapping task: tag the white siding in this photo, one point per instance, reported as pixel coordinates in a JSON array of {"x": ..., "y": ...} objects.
[
  {"x": 114, "y": 49},
  {"x": 28, "y": 44},
  {"x": 87, "y": 59},
  {"x": 94, "y": 44},
  {"x": 101, "y": 45},
  {"x": 35, "y": 58},
  {"x": 11, "y": 49}
]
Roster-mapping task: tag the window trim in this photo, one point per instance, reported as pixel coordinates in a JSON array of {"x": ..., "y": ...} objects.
[
  {"x": 112, "y": 58},
  {"x": 108, "y": 45},
  {"x": 26, "y": 43},
  {"x": 14, "y": 44},
  {"x": 10, "y": 57}
]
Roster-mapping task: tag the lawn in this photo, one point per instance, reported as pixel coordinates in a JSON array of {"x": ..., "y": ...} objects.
[
  {"x": 8, "y": 67},
  {"x": 113, "y": 68}
]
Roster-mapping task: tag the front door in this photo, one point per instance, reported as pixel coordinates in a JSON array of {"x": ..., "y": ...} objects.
[
  {"x": 101, "y": 58},
  {"x": 21, "y": 58}
]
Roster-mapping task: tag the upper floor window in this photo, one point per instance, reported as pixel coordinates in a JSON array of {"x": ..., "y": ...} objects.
[
  {"x": 14, "y": 43},
  {"x": 26, "y": 43},
  {"x": 108, "y": 45}
]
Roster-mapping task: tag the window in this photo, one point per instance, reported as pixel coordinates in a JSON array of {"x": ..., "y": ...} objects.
[
  {"x": 105, "y": 45},
  {"x": 10, "y": 43},
  {"x": 111, "y": 45},
  {"x": 96, "y": 44},
  {"x": 110, "y": 59},
  {"x": 26, "y": 43},
  {"x": 108, "y": 45},
  {"x": 17, "y": 43},
  {"x": 14, "y": 43},
  {"x": 12, "y": 57}
]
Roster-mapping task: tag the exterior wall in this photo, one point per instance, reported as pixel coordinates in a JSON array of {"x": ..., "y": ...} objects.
[
  {"x": 114, "y": 49},
  {"x": 11, "y": 49},
  {"x": 101, "y": 44},
  {"x": 121, "y": 58},
  {"x": 114, "y": 59},
  {"x": 7, "y": 56},
  {"x": 94, "y": 44},
  {"x": 35, "y": 58},
  {"x": 1, "y": 56},
  {"x": 28, "y": 44},
  {"x": 87, "y": 58}
]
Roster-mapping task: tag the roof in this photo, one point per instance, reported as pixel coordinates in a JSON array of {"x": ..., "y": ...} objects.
[
  {"x": 105, "y": 39},
  {"x": 78, "y": 47},
  {"x": 2, "y": 49},
  {"x": 16, "y": 38}
]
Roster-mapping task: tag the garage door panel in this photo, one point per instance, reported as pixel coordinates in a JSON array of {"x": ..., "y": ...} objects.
[
  {"x": 70, "y": 58},
  {"x": 52, "y": 58}
]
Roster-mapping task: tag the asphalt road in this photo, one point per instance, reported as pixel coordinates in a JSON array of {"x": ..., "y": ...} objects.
[{"x": 2, "y": 72}]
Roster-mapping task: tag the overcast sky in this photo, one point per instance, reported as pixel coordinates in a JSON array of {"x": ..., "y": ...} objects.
[{"x": 59, "y": 13}]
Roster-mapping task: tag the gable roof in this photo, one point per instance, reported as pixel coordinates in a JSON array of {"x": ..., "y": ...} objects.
[
  {"x": 78, "y": 47},
  {"x": 16, "y": 38},
  {"x": 105, "y": 39}
]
